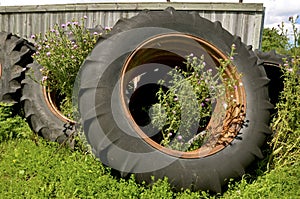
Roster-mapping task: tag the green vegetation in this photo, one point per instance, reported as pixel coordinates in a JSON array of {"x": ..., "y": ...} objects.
[
  {"x": 61, "y": 51},
  {"x": 189, "y": 99}
]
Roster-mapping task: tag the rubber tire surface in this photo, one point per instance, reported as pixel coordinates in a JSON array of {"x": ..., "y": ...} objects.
[
  {"x": 40, "y": 117},
  {"x": 15, "y": 55},
  {"x": 272, "y": 63},
  {"x": 115, "y": 148}
]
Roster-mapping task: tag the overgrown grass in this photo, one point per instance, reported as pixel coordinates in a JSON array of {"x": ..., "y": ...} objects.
[{"x": 35, "y": 168}]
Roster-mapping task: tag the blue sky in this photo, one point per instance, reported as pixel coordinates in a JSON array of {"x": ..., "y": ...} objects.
[{"x": 277, "y": 11}]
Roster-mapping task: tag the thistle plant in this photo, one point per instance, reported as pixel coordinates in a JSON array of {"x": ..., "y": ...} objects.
[
  {"x": 60, "y": 52},
  {"x": 184, "y": 110},
  {"x": 286, "y": 123}
]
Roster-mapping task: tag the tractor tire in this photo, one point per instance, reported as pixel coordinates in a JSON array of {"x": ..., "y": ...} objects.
[
  {"x": 156, "y": 37},
  {"x": 15, "y": 55},
  {"x": 40, "y": 110},
  {"x": 272, "y": 63}
]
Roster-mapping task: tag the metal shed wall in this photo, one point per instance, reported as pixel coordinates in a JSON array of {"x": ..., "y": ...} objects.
[{"x": 244, "y": 20}]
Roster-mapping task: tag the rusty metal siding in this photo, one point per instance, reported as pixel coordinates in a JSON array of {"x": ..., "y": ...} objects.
[{"x": 244, "y": 20}]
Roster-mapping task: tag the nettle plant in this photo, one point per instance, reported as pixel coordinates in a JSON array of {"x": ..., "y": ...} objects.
[
  {"x": 60, "y": 52},
  {"x": 184, "y": 110}
]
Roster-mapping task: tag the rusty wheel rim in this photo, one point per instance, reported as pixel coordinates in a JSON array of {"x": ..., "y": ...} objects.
[
  {"x": 146, "y": 53},
  {"x": 49, "y": 96},
  {"x": 0, "y": 70}
]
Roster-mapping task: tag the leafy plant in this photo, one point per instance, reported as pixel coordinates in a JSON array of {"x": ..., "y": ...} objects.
[
  {"x": 286, "y": 124},
  {"x": 12, "y": 126},
  {"x": 61, "y": 51},
  {"x": 186, "y": 107}
]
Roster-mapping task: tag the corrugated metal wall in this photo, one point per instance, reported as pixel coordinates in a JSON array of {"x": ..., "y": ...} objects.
[{"x": 245, "y": 20}]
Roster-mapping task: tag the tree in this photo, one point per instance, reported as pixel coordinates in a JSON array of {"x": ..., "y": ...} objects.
[{"x": 275, "y": 39}]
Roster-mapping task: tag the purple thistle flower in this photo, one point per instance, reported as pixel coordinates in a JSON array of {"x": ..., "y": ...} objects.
[
  {"x": 231, "y": 58},
  {"x": 179, "y": 137},
  {"x": 75, "y": 23},
  {"x": 235, "y": 87},
  {"x": 72, "y": 57},
  {"x": 32, "y": 36},
  {"x": 68, "y": 23},
  {"x": 202, "y": 104},
  {"x": 176, "y": 99},
  {"x": 95, "y": 33},
  {"x": 170, "y": 134},
  {"x": 52, "y": 30},
  {"x": 48, "y": 54},
  {"x": 290, "y": 69},
  {"x": 63, "y": 25},
  {"x": 85, "y": 17}
]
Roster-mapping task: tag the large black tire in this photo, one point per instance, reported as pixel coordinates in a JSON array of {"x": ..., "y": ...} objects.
[
  {"x": 272, "y": 63},
  {"x": 113, "y": 134},
  {"x": 15, "y": 55},
  {"x": 42, "y": 115}
]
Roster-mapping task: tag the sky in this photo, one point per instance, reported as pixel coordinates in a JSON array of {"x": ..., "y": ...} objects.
[{"x": 276, "y": 11}]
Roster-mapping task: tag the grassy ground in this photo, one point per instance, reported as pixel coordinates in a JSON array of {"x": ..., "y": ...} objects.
[
  {"x": 31, "y": 167},
  {"x": 40, "y": 169}
]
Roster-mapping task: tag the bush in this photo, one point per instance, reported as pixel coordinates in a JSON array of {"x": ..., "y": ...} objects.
[
  {"x": 61, "y": 51},
  {"x": 12, "y": 126}
]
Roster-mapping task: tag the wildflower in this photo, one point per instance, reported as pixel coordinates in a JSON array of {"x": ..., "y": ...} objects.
[
  {"x": 207, "y": 99},
  {"x": 95, "y": 33},
  {"x": 233, "y": 46},
  {"x": 41, "y": 69},
  {"x": 192, "y": 55},
  {"x": 85, "y": 17},
  {"x": 170, "y": 134},
  {"x": 75, "y": 23},
  {"x": 202, "y": 104},
  {"x": 179, "y": 137},
  {"x": 235, "y": 87},
  {"x": 47, "y": 46},
  {"x": 48, "y": 54},
  {"x": 209, "y": 70},
  {"x": 231, "y": 58},
  {"x": 290, "y": 69},
  {"x": 68, "y": 23},
  {"x": 176, "y": 99},
  {"x": 32, "y": 36},
  {"x": 63, "y": 25},
  {"x": 52, "y": 30},
  {"x": 75, "y": 46},
  {"x": 285, "y": 64},
  {"x": 44, "y": 78},
  {"x": 204, "y": 63}
]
